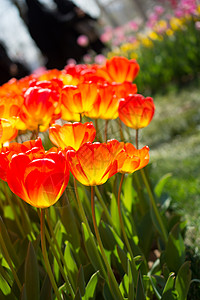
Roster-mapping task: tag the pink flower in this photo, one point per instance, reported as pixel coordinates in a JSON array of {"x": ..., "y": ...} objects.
[
  {"x": 100, "y": 59},
  {"x": 159, "y": 10},
  {"x": 197, "y": 25},
  {"x": 83, "y": 40}
]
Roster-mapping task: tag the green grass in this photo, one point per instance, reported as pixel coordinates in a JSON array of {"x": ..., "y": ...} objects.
[{"x": 174, "y": 140}]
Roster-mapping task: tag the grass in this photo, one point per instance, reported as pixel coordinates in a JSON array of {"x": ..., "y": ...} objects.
[{"x": 174, "y": 140}]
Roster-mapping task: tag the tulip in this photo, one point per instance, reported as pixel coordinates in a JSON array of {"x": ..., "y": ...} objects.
[
  {"x": 79, "y": 99},
  {"x": 131, "y": 159},
  {"x": 106, "y": 104},
  {"x": 72, "y": 135},
  {"x": 93, "y": 164},
  {"x": 8, "y": 130},
  {"x": 119, "y": 69},
  {"x": 40, "y": 107},
  {"x": 38, "y": 177},
  {"x": 136, "y": 111},
  {"x": 6, "y": 153}
]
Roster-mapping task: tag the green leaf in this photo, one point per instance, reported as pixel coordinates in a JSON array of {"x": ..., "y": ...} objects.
[
  {"x": 31, "y": 274},
  {"x": 91, "y": 287},
  {"x": 140, "y": 295},
  {"x": 89, "y": 246},
  {"x": 81, "y": 281},
  {"x": 161, "y": 183},
  {"x": 9, "y": 245},
  {"x": 124, "y": 286},
  {"x": 69, "y": 222},
  {"x": 106, "y": 292},
  {"x": 114, "y": 213},
  {"x": 71, "y": 264},
  {"x": 123, "y": 258},
  {"x": 107, "y": 236},
  {"x": 131, "y": 282},
  {"x": 170, "y": 283},
  {"x": 175, "y": 250},
  {"x": 183, "y": 280},
  {"x": 4, "y": 286},
  {"x": 46, "y": 289},
  {"x": 129, "y": 193}
]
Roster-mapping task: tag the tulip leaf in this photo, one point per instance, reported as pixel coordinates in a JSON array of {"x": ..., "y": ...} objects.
[
  {"x": 8, "y": 244},
  {"x": 81, "y": 281},
  {"x": 107, "y": 237},
  {"x": 91, "y": 287},
  {"x": 114, "y": 213},
  {"x": 31, "y": 274},
  {"x": 131, "y": 282},
  {"x": 106, "y": 292},
  {"x": 183, "y": 281},
  {"x": 129, "y": 193},
  {"x": 123, "y": 258},
  {"x": 175, "y": 250},
  {"x": 46, "y": 290},
  {"x": 160, "y": 185},
  {"x": 124, "y": 286},
  {"x": 71, "y": 264},
  {"x": 89, "y": 245},
  {"x": 4, "y": 286},
  {"x": 140, "y": 295},
  {"x": 169, "y": 286},
  {"x": 69, "y": 222}
]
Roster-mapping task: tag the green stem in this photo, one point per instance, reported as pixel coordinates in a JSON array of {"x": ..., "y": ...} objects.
[
  {"x": 84, "y": 219},
  {"x": 9, "y": 261},
  {"x": 154, "y": 206},
  {"x": 69, "y": 285},
  {"x": 110, "y": 272},
  {"x": 45, "y": 255}
]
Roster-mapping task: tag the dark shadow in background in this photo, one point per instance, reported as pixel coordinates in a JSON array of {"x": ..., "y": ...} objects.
[{"x": 56, "y": 31}]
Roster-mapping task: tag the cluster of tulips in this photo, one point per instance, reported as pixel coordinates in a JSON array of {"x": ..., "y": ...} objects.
[
  {"x": 35, "y": 104},
  {"x": 57, "y": 102}
]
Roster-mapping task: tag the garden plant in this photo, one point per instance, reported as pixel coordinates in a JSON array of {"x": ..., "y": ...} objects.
[{"x": 80, "y": 216}]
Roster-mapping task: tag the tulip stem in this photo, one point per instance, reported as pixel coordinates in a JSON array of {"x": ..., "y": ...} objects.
[
  {"x": 45, "y": 255},
  {"x": 110, "y": 272},
  {"x": 10, "y": 263},
  {"x": 61, "y": 256},
  {"x": 121, "y": 221},
  {"x": 84, "y": 219}
]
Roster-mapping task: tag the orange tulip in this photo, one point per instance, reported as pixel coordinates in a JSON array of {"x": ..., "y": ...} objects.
[
  {"x": 131, "y": 159},
  {"x": 79, "y": 99},
  {"x": 40, "y": 108},
  {"x": 6, "y": 153},
  {"x": 72, "y": 135},
  {"x": 8, "y": 130},
  {"x": 124, "y": 89},
  {"x": 106, "y": 104},
  {"x": 119, "y": 69},
  {"x": 136, "y": 111},
  {"x": 38, "y": 177},
  {"x": 93, "y": 164}
]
